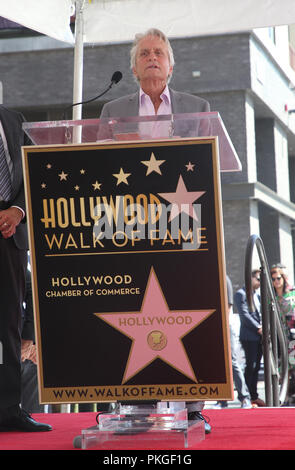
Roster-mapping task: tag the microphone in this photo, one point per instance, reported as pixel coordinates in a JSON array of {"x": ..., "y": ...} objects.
[{"x": 116, "y": 77}]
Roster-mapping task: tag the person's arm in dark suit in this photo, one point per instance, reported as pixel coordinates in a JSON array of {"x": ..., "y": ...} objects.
[
  {"x": 14, "y": 214},
  {"x": 246, "y": 318},
  {"x": 28, "y": 332},
  {"x": 28, "y": 348},
  {"x": 19, "y": 198}
]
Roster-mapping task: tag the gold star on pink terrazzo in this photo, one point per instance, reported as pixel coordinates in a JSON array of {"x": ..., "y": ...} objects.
[{"x": 156, "y": 331}]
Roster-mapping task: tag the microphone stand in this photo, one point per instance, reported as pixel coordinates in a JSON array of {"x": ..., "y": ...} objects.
[
  {"x": 115, "y": 79},
  {"x": 87, "y": 101}
]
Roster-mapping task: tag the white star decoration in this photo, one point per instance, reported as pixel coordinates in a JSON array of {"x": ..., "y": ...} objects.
[
  {"x": 153, "y": 164},
  {"x": 63, "y": 176},
  {"x": 121, "y": 177},
  {"x": 96, "y": 185}
]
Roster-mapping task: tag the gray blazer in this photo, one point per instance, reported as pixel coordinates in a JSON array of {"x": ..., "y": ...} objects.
[{"x": 181, "y": 103}]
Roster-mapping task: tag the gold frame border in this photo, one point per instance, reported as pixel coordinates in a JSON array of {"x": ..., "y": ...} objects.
[{"x": 45, "y": 394}]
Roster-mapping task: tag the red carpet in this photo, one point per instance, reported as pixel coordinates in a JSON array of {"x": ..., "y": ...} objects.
[{"x": 232, "y": 429}]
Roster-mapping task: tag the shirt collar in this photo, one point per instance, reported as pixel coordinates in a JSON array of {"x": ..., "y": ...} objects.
[{"x": 165, "y": 95}]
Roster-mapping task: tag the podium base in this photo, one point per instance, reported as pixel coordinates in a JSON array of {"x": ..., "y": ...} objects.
[{"x": 144, "y": 427}]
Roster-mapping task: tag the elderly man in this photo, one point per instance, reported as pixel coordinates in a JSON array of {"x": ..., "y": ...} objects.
[{"x": 152, "y": 64}]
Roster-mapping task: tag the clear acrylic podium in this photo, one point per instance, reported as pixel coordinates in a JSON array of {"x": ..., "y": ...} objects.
[
  {"x": 138, "y": 424},
  {"x": 138, "y": 128},
  {"x": 144, "y": 426}
]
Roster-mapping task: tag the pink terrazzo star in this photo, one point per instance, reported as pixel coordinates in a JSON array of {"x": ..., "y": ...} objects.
[
  {"x": 182, "y": 200},
  {"x": 156, "y": 331}
]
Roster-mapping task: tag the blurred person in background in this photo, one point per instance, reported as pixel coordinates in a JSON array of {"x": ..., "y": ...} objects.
[{"x": 251, "y": 336}]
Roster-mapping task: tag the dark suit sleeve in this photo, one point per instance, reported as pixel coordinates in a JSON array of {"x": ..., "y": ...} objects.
[
  {"x": 19, "y": 198},
  {"x": 243, "y": 310},
  {"x": 28, "y": 332},
  {"x": 12, "y": 122}
]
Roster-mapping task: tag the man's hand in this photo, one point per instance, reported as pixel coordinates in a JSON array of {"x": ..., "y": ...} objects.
[
  {"x": 28, "y": 350},
  {"x": 33, "y": 354},
  {"x": 9, "y": 219}
]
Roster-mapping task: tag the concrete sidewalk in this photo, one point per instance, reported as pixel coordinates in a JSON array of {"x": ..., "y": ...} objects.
[{"x": 236, "y": 403}]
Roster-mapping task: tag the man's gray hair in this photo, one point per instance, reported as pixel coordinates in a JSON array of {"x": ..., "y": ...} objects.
[{"x": 150, "y": 32}]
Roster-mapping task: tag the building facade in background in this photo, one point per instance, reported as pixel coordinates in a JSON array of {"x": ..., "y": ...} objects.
[{"x": 249, "y": 78}]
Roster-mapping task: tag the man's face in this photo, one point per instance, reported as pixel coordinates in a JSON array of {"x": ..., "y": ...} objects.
[
  {"x": 152, "y": 60},
  {"x": 256, "y": 281}
]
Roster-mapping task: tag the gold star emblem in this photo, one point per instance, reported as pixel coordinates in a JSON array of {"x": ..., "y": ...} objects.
[
  {"x": 63, "y": 176},
  {"x": 121, "y": 177},
  {"x": 82, "y": 171},
  {"x": 96, "y": 185},
  {"x": 43, "y": 185},
  {"x": 76, "y": 187},
  {"x": 48, "y": 166},
  {"x": 153, "y": 164}
]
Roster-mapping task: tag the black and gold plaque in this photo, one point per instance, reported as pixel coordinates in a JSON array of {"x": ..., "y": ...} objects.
[{"x": 128, "y": 271}]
